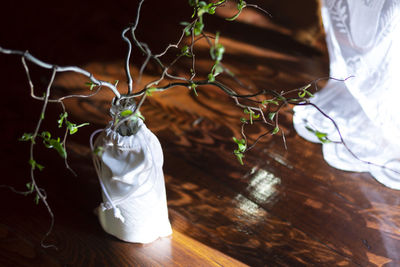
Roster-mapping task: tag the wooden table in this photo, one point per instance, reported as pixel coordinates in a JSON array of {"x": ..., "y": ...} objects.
[{"x": 282, "y": 208}]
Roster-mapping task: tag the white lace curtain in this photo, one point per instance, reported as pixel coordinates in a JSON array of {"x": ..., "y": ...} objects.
[{"x": 363, "y": 38}]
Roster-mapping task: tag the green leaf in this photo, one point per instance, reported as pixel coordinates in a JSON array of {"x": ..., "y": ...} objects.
[
  {"x": 83, "y": 124},
  {"x": 126, "y": 112},
  {"x": 73, "y": 128},
  {"x": 218, "y": 69},
  {"x": 239, "y": 156},
  {"x": 322, "y": 137},
  {"x": 195, "y": 91},
  {"x": 236, "y": 140},
  {"x": 194, "y": 86},
  {"x": 32, "y": 162},
  {"x": 40, "y": 167},
  {"x": 91, "y": 85},
  {"x": 217, "y": 52},
  {"x": 211, "y": 77},
  {"x": 203, "y": 8},
  {"x": 269, "y": 101},
  {"x": 61, "y": 151},
  {"x": 302, "y": 94},
  {"x": 193, "y": 2},
  {"x": 234, "y": 17},
  {"x": 198, "y": 28},
  {"x": 216, "y": 40},
  {"x": 271, "y": 115},
  {"x": 185, "y": 51},
  {"x": 37, "y": 198},
  {"x": 54, "y": 143},
  {"x": 30, "y": 186},
  {"x": 60, "y": 121},
  {"x": 45, "y": 135},
  {"x": 305, "y": 92},
  {"x": 310, "y": 129},
  {"x": 240, "y": 6},
  {"x": 275, "y": 131},
  {"x": 252, "y": 115},
  {"x": 211, "y": 10},
  {"x": 241, "y": 144},
  {"x": 139, "y": 115},
  {"x": 219, "y": 2},
  {"x": 58, "y": 146},
  {"x": 26, "y": 137},
  {"x": 215, "y": 71},
  {"x": 35, "y": 165},
  {"x": 149, "y": 91},
  {"x": 325, "y": 140},
  {"x": 281, "y": 98},
  {"x": 98, "y": 151},
  {"x": 187, "y": 30}
]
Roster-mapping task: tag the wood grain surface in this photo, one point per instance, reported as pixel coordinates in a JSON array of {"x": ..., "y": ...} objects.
[{"x": 282, "y": 208}]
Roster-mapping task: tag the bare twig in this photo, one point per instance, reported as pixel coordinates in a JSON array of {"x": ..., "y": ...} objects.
[
  {"x": 42, "y": 196},
  {"x": 75, "y": 69},
  {"x": 127, "y": 60},
  {"x": 342, "y": 141},
  {"x": 259, "y": 8}
]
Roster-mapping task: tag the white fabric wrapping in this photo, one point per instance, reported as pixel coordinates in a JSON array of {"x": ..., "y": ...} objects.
[
  {"x": 363, "y": 38},
  {"x": 132, "y": 180}
]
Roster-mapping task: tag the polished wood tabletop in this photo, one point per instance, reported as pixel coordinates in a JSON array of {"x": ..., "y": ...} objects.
[{"x": 284, "y": 207}]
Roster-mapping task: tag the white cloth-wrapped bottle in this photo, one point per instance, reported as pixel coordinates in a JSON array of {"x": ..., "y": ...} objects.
[
  {"x": 363, "y": 39},
  {"x": 134, "y": 207}
]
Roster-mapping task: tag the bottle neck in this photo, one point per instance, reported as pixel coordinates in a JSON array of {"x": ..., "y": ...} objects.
[{"x": 119, "y": 110}]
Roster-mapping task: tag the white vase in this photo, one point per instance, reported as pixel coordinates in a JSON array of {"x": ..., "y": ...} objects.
[{"x": 134, "y": 207}]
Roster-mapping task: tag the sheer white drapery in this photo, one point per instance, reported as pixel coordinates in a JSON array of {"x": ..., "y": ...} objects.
[{"x": 363, "y": 38}]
